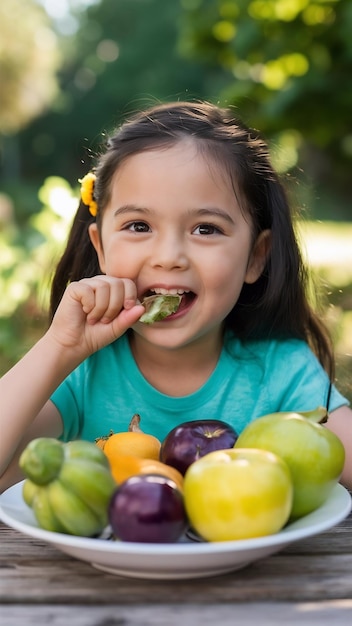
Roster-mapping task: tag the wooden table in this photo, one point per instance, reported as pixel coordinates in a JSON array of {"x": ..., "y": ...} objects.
[{"x": 309, "y": 583}]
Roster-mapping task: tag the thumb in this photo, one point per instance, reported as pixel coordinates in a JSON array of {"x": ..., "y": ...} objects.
[{"x": 127, "y": 318}]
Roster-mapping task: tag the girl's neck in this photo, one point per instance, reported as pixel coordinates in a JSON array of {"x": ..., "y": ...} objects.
[{"x": 177, "y": 372}]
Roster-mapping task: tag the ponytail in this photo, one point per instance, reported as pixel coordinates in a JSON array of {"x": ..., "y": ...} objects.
[{"x": 79, "y": 259}]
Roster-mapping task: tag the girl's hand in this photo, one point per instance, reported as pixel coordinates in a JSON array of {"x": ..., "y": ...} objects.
[{"x": 94, "y": 312}]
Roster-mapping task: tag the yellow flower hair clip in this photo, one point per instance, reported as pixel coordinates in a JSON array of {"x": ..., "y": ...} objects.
[{"x": 87, "y": 192}]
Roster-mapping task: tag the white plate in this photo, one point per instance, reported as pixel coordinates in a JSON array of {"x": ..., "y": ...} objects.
[{"x": 182, "y": 560}]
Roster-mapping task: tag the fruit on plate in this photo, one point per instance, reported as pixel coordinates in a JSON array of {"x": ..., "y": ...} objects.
[
  {"x": 148, "y": 508},
  {"x": 238, "y": 494},
  {"x": 133, "y": 442},
  {"x": 122, "y": 467},
  {"x": 68, "y": 485},
  {"x": 191, "y": 440},
  {"x": 313, "y": 453},
  {"x": 159, "y": 306}
]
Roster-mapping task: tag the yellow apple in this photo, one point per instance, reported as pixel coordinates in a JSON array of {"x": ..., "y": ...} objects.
[{"x": 238, "y": 494}]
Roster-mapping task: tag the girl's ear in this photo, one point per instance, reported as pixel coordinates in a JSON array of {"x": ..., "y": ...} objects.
[
  {"x": 258, "y": 257},
  {"x": 96, "y": 241}
]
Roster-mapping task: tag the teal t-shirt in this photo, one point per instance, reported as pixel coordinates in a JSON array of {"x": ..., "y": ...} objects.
[{"x": 250, "y": 380}]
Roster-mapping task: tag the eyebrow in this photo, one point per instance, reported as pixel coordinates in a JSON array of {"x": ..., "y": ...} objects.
[
  {"x": 129, "y": 208},
  {"x": 214, "y": 211},
  {"x": 204, "y": 212}
]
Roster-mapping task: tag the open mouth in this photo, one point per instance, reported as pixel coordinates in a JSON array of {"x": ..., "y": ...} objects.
[{"x": 186, "y": 295}]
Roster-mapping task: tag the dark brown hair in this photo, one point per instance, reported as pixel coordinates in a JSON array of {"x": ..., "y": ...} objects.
[{"x": 277, "y": 304}]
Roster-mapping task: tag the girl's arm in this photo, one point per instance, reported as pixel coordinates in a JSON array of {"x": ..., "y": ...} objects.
[
  {"x": 340, "y": 423},
  {"x": 93, "y": 313}
]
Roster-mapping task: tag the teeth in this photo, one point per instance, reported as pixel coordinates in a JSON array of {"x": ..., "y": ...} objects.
[{"x": 173, "y": 292}]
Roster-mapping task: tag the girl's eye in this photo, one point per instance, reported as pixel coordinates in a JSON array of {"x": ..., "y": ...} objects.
[
  {"x": 207, "y": 229},
  {"x": 138, "y": 227}
]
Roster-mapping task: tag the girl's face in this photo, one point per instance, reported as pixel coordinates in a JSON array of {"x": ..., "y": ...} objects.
[{"x": 173, "y": 225}]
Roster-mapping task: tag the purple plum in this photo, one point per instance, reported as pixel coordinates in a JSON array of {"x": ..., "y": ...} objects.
[
  {"x": 191, "y": 440},
  {"x": 147, "y": 508}
]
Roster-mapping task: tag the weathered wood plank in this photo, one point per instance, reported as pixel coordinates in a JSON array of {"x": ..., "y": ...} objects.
[
  {"x": 280, "y": 577},
  {"x": 338, "y": 613}
]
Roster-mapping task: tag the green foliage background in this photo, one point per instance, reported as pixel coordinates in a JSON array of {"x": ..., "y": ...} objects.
[{"x": 285, "y": 65}]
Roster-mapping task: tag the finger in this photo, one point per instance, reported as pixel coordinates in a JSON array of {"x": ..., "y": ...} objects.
[
  {"x": 122, "y": 294},
  {"x": 102, "y": 294},
  {"x": 103, "y": 297},
  {"x": 126, "y": 319},
  {"x": 130, "y": 296},
  {"x": 115, "y": 303},
  {"x": 83, "y": 293},
  {"x": 108, "y": 300}
]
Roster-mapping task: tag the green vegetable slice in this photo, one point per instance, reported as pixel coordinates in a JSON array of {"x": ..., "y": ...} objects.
[{"x": 158, "y": 307}]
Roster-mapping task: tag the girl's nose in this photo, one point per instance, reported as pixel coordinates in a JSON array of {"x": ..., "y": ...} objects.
[{"x": 170, "y": 253}]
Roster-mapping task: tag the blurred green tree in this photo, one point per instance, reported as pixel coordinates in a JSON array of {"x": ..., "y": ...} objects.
[
  {"x": 28, "y": 257},
  {"x": 288, "y": 64},
  {"x": 28, "y": 63},
  {"x": 123, "y": 56}
]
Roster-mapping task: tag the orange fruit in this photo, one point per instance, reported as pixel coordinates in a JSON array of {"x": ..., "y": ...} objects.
[
  {"x": 124, "y": 466},
  {"x": 133, "y": 442},
  {"x": 137, "y": 444}
]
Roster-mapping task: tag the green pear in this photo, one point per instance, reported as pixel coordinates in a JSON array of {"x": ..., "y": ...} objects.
[{"x": 314, "y": 455}]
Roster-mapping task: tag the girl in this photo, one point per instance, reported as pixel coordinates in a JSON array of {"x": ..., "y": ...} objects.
[{"x": 185, "y": 202}]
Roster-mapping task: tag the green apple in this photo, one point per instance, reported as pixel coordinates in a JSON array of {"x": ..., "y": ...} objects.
[
  {"x": 237, "y": 494},
  {"x": 313, "y": 453}
]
